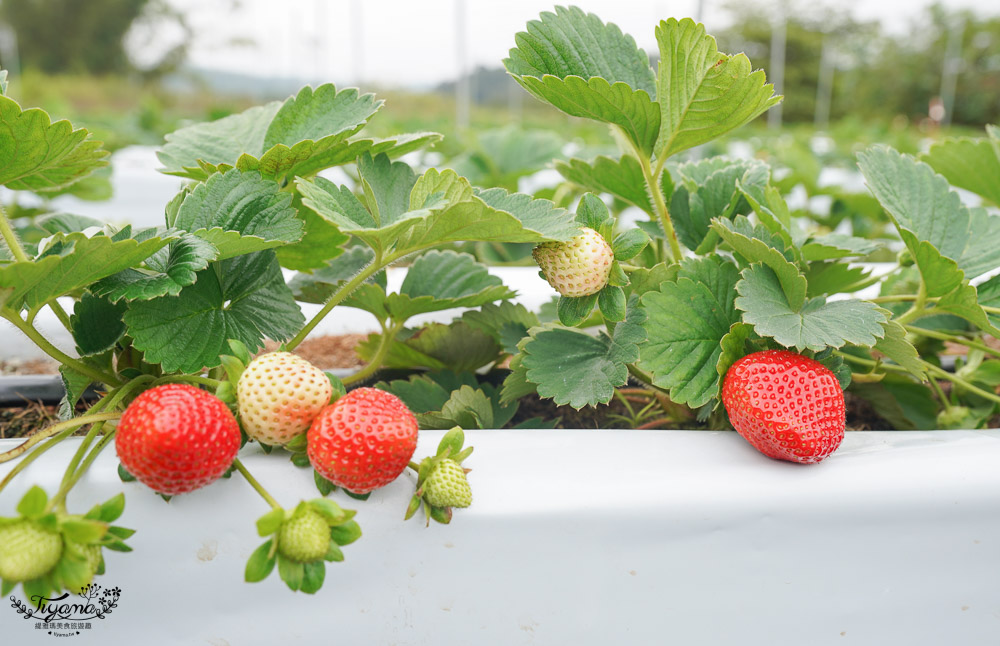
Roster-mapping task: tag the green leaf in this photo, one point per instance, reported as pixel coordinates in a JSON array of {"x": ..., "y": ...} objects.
[
  {"x": 312, "y": 577},
  {"x": 429, "y": 392},
  {"x": 733, "y": 346},
  {"x": 440, "y": 280},
  {"x": 833, "y": 246},
  {"x": 166, "y": 272},
  {"x": 989, "y": 295},
  {"x": 79, "y": 262},
  {"x": 588, "y": 69},
  {"x": 835, "y": 278},
  {"x": 456, "y": 346},
  {"x": 815, "y": 325},
  {"x": 506, "y": 322},
  {"x": 687, "y": 320},
  {"x": 895, "y": 346},
  {"x": 972, "y": 164},
  {"x": 906, "y": 405},
  {"x": 443, "y": 208},
  {"x": 718, "y": 196},
  {"x": 260, "y": 563},
  {"x": 270, "y": 522},
  {"x": 575, "y": 368},
  {"x": 629, "y": 244},
  {"x": 96, "y": 324},
  {"x": 757, "y": 250},
  {"x": 499, "y": 157},
  {"x": 216, "y": 142},
  {"x": 32, "y": 504},
  {"x": 189, "y": 331},
  {"x": 38, "y": 155},
  {"x": 467, "y": 407},
  {"x": 702, "y": 93},
  {"x": 243, "y": 203},
  {"x": 345, "y": 533},
  {"x": 621, "y": 178},
  {"x": 83, "y": 531},
  {"x": 925, "y": 210},
  {"x": 319, "y": 113},
  {"x": 321, "y": 241},
  {"x": 291, "y": 572}
]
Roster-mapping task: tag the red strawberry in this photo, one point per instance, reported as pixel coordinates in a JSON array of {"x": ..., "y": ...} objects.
[
  {"x": 177, "y": 438},
  {"x": 787, "y": 406},
  {"x": 362, "y": 441}
]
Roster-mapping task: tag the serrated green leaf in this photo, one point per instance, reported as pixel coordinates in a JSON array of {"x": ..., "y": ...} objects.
[
  {"x": 244, "y": 203},
  {"x": 771, "y": 209},
  {"x": 717, "y": 197},
  {"x": 687, "y": 319},
  {"x": 320, "y": 285},
  {"x": 74, "y": 385},
  {"x": 260, "y": 564},
  {"x": 701, "y": 92},
  {"x": 575, "y": 368},
  {"x": 757, "y": 250},
  {"x": 32, "y": 504},
  {"x": 440, "y": 280},
  {"x": 815, "y": 325},
  {"x": 456, "y": 346},
  {"x": 733, "y": 347},
  {"x": 467, "y": 406},
  {"x": 499, "y": 157},
  {"x": 963, "y": 301},
  {"x": 96, "y": 324},
  {"x": 189, "y": 331},
  {"x": 80, "y": 262},
  {"x": 972, "y": 164},
  {"x": 895, "y": 346},
  {"x": 989, "y": 295},
  {"x": 905, "y": 404},
  {"x": 833, "y": 246},
  {"x": 421, "y": 393},
  {"x": 38, "y": 155},
  {"x": 315, "y": 114},
  {"x": 835, "y": 278},
  {"x": 321, "y": 241},
  {"x": 506, "y": 322},
  {"x": 621, "y": 178},
  {"x": 165, "y": 272},
  {"x": 588, "y": 69}
]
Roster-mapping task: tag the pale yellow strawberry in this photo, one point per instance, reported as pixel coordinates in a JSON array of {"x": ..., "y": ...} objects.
[
  {"x": 279, "y": 396},
  {"x": 579, "y": 267}
]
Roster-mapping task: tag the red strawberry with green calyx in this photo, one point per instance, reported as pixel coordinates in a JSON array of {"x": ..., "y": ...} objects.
[
  {"x": 177, "y": 438},
  {"x": 788, "y": 406},
  {"x": 362, "y": 441}
]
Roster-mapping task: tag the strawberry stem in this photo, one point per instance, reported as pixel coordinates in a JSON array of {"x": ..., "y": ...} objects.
[
  {"x": 385, "y": 342},
  {"x": 256, "y": 485},
  {"x": 56, "y": 353},
  {"x": 413, "y": 465},
  {"x": 954, "y": 339},
  {"x": 661, "y": 206},
  {"x": 58, "y": 500},
  {"x": 10, "y": 237}
]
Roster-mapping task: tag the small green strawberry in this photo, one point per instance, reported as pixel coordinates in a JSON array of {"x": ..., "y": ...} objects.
[
  {"x": 441, "y": 481},
  {"x": 28, "y": 550},
  {"x": 447, "y": 486},
  {"x": 305, "y": 536},
  {"x": 300, "y": 542},
  {"x": 88, "y": 556},
  {"x": 579, "y": 267}
]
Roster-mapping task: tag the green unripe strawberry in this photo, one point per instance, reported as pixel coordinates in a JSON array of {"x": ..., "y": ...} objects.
[
  {"x": 27, "y": 550},
  {"x": 447, "y": 486},
  {"x": 89, "y": 556},
  {"x": 579, "y": 267},
  {"x": 305, "y": 537}
]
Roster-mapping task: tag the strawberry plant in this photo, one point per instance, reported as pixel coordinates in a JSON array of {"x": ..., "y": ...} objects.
[{"x": 721, "y": 270}]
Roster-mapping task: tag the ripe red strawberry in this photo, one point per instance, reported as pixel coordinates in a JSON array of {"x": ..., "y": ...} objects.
[
  {"x": 362, "y": 441},
  {"x": 579, "y": 267},
  {"x": 788, "y": 406},
  {"x": 280, "y": 395},
  {"x": 177, "y": 438}
]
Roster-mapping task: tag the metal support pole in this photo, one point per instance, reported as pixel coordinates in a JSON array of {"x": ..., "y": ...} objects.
[
  {"x": 824, "y": 85},
  {"x": 463, "y": 90},
  {"x": 952, "y": 65},
  {"x": 777, "y": 70}
]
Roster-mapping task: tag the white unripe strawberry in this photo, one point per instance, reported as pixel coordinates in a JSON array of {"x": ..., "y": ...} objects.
[
  {"x": 579, "y": 267},
  {"x": 279, "y": 396}
]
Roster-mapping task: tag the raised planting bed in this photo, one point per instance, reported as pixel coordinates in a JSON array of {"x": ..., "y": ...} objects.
[{"x": 582, "y": 537}]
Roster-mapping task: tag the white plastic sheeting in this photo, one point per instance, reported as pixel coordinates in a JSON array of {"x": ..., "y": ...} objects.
[{"x": 581, "y": 537}]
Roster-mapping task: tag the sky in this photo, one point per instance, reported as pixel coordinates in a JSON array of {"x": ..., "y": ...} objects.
[{"x": 416, "y": 43}]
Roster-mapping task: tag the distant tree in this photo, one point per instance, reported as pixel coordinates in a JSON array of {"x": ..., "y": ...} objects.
[{"x": 81, "y": 35}]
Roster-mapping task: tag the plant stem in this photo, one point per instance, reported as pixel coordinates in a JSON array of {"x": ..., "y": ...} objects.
[
  {"x": 955, "y": 379},
  {"x": 917, "y": 309},
  {"x": 990, "y": 310},
  {"x": 954, "y": 339},
  {"x": 338, "y": 297},
  {"x": 61, "y": 314},
  {"x": 194, "y": 379},
  {"x": 60, "y": 497},
  {"x": 56, "y": 353},
  {"x": 256, "y": 485},
  {"x": 661, "y": 206},
  {"x": 64, "y": 428},
  {"x": 936, "y": 387},
  {"x": 902, "y": 298},
  {"x": 413, "y": 465},
  {"x": 868, "y": 362},
  {"x": 11, "y": 238},
  {"x": 388, "y": 336}
]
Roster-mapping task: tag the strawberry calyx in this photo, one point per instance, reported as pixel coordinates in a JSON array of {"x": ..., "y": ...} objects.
[
  {"x": 48, "y": 551},
  {"x": 441, "y": 480},
  {"x": 301, "y": 541}
]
